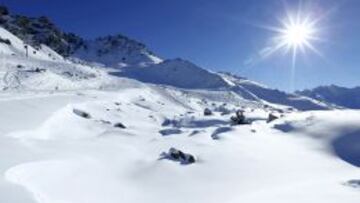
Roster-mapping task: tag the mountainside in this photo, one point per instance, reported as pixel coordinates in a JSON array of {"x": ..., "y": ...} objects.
[
  {"x": 131, "y": 59},
  {"x": 121, "y": 125},
  {"x": 177, "y": 73},
  {"x": 267, "y": 94},
  {"x": 340, "y": 96},
  {"x": 116, "y": 50}
]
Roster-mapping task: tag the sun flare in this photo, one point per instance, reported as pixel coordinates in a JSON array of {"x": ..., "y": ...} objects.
[
  {"x": 298, "y": 32},
  {"x": 297, "y": 35}
]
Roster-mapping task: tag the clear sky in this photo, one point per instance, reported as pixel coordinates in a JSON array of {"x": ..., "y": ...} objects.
[{"x": 221, "y": 35}]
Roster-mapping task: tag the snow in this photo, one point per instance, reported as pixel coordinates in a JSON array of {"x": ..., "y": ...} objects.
[
  {"x": 62, "y": 157},
  {"x": 177, "y": 73},
  {"x": 17, "y": 48},
  {"x": 335, "y": 95},
  {"x": 59, "y": 142},
  {"x": 116, "y": 51}
]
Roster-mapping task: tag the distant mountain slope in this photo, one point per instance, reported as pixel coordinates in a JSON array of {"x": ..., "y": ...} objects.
[
  {"x": 35, "y": 64},
  {"x": 341, "y": 96},
  {"x": 259, "y": 91},
  {"x": 116, "y": 50},
  {"x": 184, "y": 74},
  {"x": 177, "y": 73}
]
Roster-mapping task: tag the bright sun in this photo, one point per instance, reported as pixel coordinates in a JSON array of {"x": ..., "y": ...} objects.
[{"x": 297, "y": 34}]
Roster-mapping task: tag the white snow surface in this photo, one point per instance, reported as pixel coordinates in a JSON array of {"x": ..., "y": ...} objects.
[
  {"x": 53, "y": 155},
  {"x": 59, "y": 142}
]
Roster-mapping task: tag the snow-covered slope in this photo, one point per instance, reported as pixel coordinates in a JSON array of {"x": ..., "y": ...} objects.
[
  {"x": 103, "y": 139},
  {"x": 58, "y": 155},
  {"x": 258, "y": 91},
  {"x": 23, "y": 67},
  {"x": 11, "y": 45},
  {"x": 43, "y": 69},
  {"x": 40, "y": 30},
  {"x": 177, "y": 73},
  {"x": 340, "y": 96},
  {"x": 116, "y": 51}
]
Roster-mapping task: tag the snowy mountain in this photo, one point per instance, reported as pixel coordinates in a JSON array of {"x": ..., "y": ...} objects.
[
  {"x": 184, "y": 74},
  {"x": 267, "y": 94},
  {"x": 340, "y": 96},
  {"x": 177, "y": 73},
  {"x": 39, "y": 30},
  {"x": 146, "y": 130},
  {"x": 117, "y": 50}
]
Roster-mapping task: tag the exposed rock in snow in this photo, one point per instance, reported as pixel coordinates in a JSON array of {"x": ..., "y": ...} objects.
[
  {"x": 119, "y": 125},
  {"x": 207, "y": 112},
  {"x": 178, "y": 155},
  {"x": 81, "y": 113}
]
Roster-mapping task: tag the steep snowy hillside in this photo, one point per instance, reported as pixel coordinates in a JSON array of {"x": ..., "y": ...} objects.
[
  {"x": 40, "y": 30},
  {"x": 341, "y": 96},
  {"x": 116, "y": 51},
  {"x": 10, "y": 45},
  {"x": 23, "y": 67}
]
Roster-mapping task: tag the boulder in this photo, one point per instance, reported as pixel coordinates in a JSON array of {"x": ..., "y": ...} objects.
[
  {"x": 207, "y": 112},
  {"x": 271, "y": 118},
  {"x": 119, "y": 125},
  {"x": 82, "y": 113},
  {"x": 239, "y": 118},
  {"x": 179, "y": 156}
]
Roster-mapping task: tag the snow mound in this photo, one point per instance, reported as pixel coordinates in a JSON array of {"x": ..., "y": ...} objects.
[{"x": 338, "y": 130}]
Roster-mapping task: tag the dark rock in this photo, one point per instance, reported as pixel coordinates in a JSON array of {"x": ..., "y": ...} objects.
[
  {"x": 5, "y": 41},
  {"x": 177, "y": 155},
  {"x": 39, "y": 70},
  {"x": 353, "y": 183},
  {"x": 4, "y": 11},
  {"x": 119, "y": 125},
  {"x": 207, "y": 112},
  {"x": 172, "y": 131},
  {"x": 82, "y": 113},
  {"x": 271, "y": 118},
  {"x": 239, "y": 118}
]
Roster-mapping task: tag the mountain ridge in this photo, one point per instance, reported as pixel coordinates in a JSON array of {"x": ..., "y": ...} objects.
[
  {"x": 126, "y": 58},
  {"x": 334, "y": 94}
]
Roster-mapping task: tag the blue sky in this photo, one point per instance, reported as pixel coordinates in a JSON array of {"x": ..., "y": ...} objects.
[{"x": 221, "y": 35}]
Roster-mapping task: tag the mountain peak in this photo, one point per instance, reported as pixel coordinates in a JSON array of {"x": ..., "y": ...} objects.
[{"x": 112, "y": 50}]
